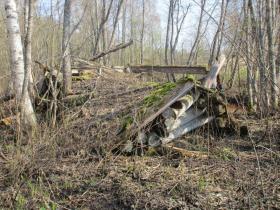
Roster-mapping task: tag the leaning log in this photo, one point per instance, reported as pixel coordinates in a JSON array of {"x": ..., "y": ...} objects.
[
  {"x": 169, "y": 69},
  {"x": 211, "y": 79},
  {"x": 111, "y": 50}
]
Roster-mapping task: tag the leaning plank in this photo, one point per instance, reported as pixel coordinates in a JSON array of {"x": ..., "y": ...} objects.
[
  {"x": 187, "y": 87},
  {"x": 111, "y": 50},
  {"x": 169, "y": 69}
]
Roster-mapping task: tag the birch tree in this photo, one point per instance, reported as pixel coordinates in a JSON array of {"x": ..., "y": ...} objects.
[{"x": 20, "y": 78}]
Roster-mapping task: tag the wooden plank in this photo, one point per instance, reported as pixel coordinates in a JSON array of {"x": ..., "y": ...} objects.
[
  {"x": 169, "y": 69},
  {"x": 187, "y": 87}
]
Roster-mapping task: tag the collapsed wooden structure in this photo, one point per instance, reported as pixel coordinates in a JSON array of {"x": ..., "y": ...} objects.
[
  {"x": 172, "y": 110},
  {"x": 169, "y": 112}
]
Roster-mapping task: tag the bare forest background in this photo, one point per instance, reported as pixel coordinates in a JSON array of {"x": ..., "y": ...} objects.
[{"x": 96, "y": 27}]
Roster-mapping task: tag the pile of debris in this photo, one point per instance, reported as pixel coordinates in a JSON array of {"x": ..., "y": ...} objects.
[{"x": 174, "y": 109}]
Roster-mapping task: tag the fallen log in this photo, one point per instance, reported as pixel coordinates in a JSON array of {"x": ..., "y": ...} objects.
[
  {"x": 111, "y": 50},
  {"x": 169, "y": 69}
]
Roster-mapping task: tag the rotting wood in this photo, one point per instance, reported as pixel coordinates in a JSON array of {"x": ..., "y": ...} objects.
[{"x": 169, "y": 69}]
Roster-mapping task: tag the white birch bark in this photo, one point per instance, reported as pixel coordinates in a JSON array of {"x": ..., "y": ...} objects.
[
  {"x": 188, "y": 116},
  {"x": 189, "y": 126},
  {"x": 17, "y": 64}
]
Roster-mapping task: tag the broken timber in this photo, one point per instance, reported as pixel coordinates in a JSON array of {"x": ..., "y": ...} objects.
[
  {"x": 182, "y": 107},
  {"x": 170, "y": 69}
]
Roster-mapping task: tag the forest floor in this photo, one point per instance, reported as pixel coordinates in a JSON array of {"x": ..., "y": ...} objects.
[{"x": 73, "y": 167}]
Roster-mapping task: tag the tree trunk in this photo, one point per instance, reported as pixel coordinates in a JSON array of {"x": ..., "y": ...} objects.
[
  {"x": 18, "y": 75},
  {"x": 198, "y": 35},
  {"x": 142, "y": 33},
  {"x": 278, "y": 44},
  {"x": 25, "y": 34},
  {"x": 167, "y": 36},
  {"x": 115, "y": 22},
  {"x": 274, "y": 89},
  {"x": 131, "y": 31},
  {"x": 256, "y": 29},
  {"x": 123, "y": 34},
  {"x": 248, "y": 53},
  {"x": 171, "y": 7},
  {"x": 104, "y": 19},
  {"x": 216, "y": 45},
  {"x": 66, "y": 66}
]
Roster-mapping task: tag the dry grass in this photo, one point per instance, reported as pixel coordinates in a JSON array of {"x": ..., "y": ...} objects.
[{"x": 72, "y": 166}]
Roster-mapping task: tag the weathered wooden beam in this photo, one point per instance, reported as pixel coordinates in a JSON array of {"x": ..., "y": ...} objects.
[
  {"x": 181, "y": 92},
  {"x": 211, "y": 79},
  {"x": 169, "y": 69}
]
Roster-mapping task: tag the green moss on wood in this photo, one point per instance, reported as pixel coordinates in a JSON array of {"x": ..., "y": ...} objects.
[{"x": 156, "y": 95}]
